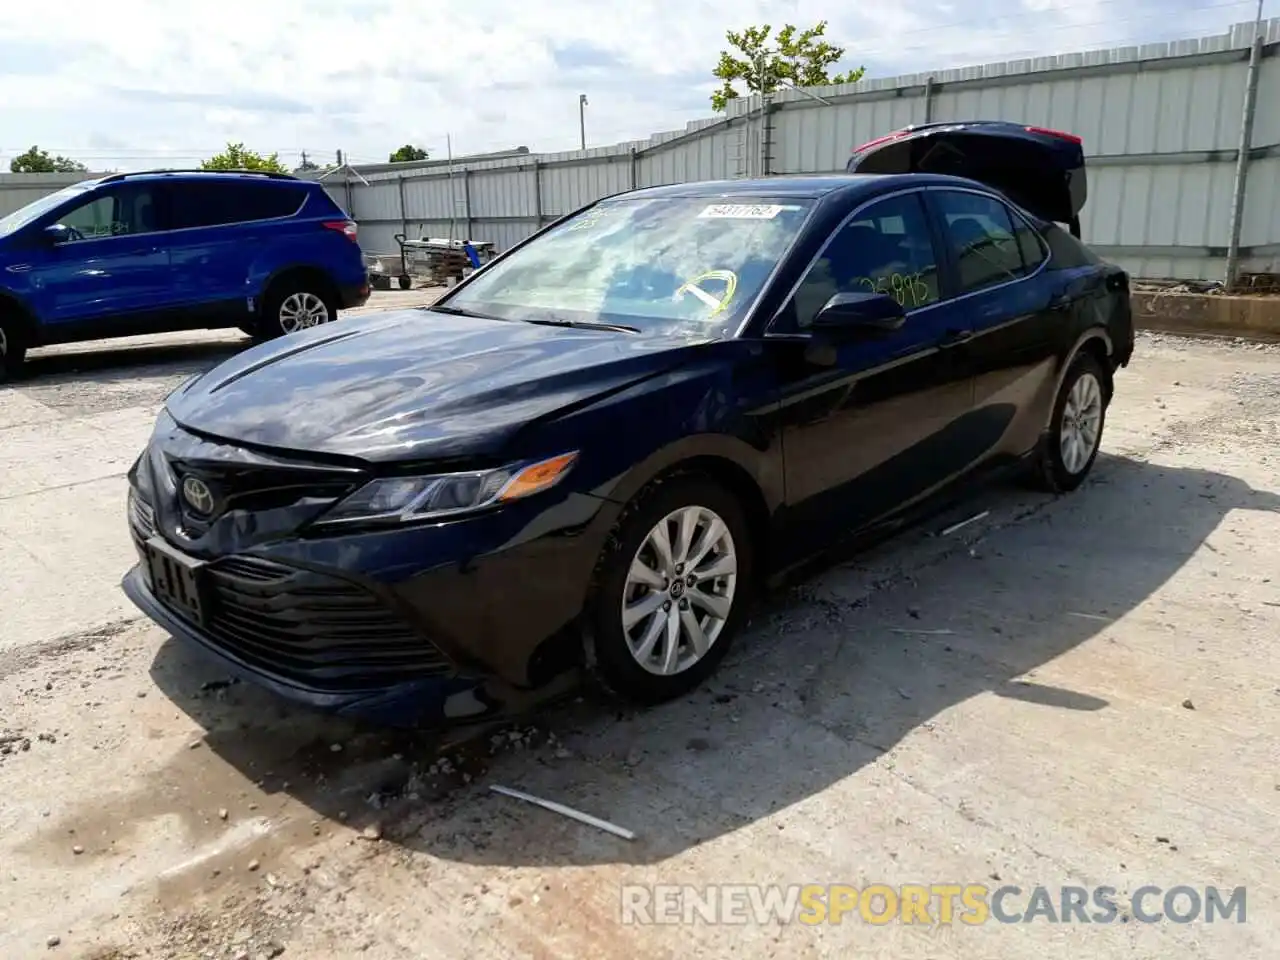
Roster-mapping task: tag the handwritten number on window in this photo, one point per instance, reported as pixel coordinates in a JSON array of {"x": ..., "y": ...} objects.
[{"x": 909, "y": 289}]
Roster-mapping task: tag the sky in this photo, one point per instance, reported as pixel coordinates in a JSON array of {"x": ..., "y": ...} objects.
[{"x": 137, "y": 83}]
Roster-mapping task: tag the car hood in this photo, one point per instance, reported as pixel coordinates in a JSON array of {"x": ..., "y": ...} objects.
[{"x": 413, "y": 385}]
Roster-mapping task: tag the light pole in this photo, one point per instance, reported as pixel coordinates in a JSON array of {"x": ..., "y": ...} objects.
[{"x": 582, "y": 119}]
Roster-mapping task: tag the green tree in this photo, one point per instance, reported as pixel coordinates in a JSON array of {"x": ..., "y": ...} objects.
[
  {"x": 801, "y": 58},
  {"x": 237, "y": 157},
  {"x": 408, "y": 153},
  {"x": 36, "y": 160}
]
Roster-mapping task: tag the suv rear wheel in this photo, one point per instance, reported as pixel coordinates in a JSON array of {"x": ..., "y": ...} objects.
[
  {"x": 13, "y": 350},
  {"x": 296, "y": 305}
]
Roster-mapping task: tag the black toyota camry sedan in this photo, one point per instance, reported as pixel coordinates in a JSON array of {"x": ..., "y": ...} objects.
[{"x": 593, "y": 451}]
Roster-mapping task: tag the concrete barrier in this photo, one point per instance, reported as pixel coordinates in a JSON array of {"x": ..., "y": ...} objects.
[{"x": 1199, "y": 314}]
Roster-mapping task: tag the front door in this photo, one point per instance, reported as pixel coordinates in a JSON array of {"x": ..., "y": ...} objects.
[
  {"x": 113, "y": 269},
  {"x": 873, "y": 426}
]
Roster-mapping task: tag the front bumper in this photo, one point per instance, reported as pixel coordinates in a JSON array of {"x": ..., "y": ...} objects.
[
  {"x": 403, "y": 627},
  {"x": 428, "y": 701}
]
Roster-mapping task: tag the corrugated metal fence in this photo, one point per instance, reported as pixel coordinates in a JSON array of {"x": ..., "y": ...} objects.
[{"x": 1161, "y": 125}]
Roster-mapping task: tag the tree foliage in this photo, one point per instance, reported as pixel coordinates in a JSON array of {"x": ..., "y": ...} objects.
[
  {"x": 36, "y": 160},
  {"x": 407, "y": 154},
  {"x": 802, "y": 58},
  {"x": 238, "y": 157}
]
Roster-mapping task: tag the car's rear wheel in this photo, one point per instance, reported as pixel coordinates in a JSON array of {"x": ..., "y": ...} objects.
[
  {"x": 13, "y": 350},
  {"x": 405, "y": 281},
  {"x": 297, "y": 306},
  {"x": 671, "y": 590},
  {"x": 1071, "y": 446}
]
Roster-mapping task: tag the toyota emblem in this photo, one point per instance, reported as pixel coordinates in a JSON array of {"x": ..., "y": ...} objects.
[{"x": 198, "y": 495}]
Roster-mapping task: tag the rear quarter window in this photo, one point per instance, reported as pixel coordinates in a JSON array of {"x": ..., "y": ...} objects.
[
  {"x": 1065, "y": 251},
  {"x": 212, "y": 203}
]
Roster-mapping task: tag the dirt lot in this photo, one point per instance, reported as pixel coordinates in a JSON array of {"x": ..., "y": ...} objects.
[{"x": 1081, "y": 691}]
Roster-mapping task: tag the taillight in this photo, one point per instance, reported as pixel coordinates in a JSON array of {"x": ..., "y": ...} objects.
[
  {"x": 879, "y": 140},
  {"x": 347, "y": 228},
  {"x": 1061, "y": 135}
]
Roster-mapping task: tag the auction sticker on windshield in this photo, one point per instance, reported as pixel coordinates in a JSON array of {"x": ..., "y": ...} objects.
[{"x": 742, "y": 211}]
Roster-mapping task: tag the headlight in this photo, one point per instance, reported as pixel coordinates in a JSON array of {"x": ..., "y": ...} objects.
[{"x": 400, "y": 499}]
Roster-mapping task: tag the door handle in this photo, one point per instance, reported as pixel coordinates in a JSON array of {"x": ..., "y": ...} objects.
[{"x": 954, "y": 338}]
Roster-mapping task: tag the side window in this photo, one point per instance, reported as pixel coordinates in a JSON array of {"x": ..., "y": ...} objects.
[
  {"x": 212, "y": 203},
  {"x": 888, "y": 249},
  {"x": 124, "y": 210},
  {"x": 979, "y": 232},
  {"x": 1029, "y": 244},
  {"x": 1066, "y": 250}
]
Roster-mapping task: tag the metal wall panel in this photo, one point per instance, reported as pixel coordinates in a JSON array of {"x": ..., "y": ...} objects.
[
  {"x": 1160, "y": 123},
  {"x": 567, "y": 187}
]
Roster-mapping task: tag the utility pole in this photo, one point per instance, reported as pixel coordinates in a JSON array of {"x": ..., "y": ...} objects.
[
  {"x": 1242, "y": 155},
  {"x": 582, "y": 119}
]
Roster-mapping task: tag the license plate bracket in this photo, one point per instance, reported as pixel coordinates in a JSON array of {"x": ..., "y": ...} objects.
[{"x": 176, "y": 579}]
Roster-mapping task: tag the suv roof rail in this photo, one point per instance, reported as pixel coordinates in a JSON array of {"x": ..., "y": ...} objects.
[{"x": 269, "y": 174}]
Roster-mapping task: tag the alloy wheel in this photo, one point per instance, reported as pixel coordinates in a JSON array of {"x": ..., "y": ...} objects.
[
  {"x": 301, "y": 311},
  {"x": 679, "y": 590},
  {"x": 1081, "y": 423}
]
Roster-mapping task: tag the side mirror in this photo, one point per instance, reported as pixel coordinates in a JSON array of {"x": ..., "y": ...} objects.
[
  {"x": 860, "y": 314},
  {"x": 56, "y": 234}
]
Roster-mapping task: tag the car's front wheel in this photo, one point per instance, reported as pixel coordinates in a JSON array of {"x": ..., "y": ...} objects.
[
  {"x": 671, "y": 590},
  {"x": 1075, "y": 432},
  {"x": 13, "y": 350}
]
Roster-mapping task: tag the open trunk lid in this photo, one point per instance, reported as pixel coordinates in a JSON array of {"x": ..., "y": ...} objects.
[{"x": 1041, "y": 170}]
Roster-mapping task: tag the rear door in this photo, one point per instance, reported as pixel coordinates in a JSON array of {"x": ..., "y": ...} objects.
[
  {"x": 1039, "y": 169},
  {"x": 220, "y": 224},
  {"x": 1007, "y": 320}
]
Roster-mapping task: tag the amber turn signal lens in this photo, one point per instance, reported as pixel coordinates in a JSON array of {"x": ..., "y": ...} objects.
[{"x": 538, "y": 476}]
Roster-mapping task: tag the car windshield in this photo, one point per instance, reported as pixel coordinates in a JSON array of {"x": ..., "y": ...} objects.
[
  {"x": 36, "y": 208},
  {"x": 683, "y": 266}
]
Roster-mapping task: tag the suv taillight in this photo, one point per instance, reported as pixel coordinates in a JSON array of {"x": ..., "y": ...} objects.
[{"x": 347, "y": 228}]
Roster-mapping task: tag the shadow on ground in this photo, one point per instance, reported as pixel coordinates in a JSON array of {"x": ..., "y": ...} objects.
[
  {"x": 821, "y": 685},
  {"x": 123, "y": 359}
]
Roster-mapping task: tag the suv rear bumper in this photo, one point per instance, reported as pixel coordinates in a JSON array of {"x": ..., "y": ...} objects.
[{"x": 349, "y": 297}]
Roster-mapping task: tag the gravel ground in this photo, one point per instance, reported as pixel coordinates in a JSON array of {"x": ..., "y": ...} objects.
[{"x": 1067, "y": 691}]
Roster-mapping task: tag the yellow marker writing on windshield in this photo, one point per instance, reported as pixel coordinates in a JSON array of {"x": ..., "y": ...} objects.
[{"x": 717, "y": 305}]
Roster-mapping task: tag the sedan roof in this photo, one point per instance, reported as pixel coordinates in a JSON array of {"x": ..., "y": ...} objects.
[{"x": 809, "y": 186}]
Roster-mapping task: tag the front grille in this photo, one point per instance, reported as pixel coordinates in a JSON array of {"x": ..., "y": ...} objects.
[
  {"x": 256, "y": 488},
  {"x": 327, "y": 633}
]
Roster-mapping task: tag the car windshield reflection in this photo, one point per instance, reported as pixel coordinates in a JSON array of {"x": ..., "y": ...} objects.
[{"x": 688, "y": 266}]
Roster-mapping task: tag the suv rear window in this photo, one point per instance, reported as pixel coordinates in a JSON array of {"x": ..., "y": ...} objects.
[{"x": 215, "y": 202}]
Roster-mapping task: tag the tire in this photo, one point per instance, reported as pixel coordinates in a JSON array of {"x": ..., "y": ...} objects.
[
  {"x": 13, "y": 351},
  {"x": 296, "y": 305},
  {"x": 405, "y": 282},
  {"x": 609, "y": 645},
  {"x": 1057, "y": 469}
]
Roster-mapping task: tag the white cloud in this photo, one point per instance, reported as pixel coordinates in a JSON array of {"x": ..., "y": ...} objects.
[{"x": 137, "y": 79}]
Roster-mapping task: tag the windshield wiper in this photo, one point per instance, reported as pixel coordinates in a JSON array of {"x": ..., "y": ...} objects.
[
  {"x": 583, "y": 324},
  {"x": 459, "y": 312}
]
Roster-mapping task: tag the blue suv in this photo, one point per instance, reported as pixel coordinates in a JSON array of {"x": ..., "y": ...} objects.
[{"x": 137, "y": 253}]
